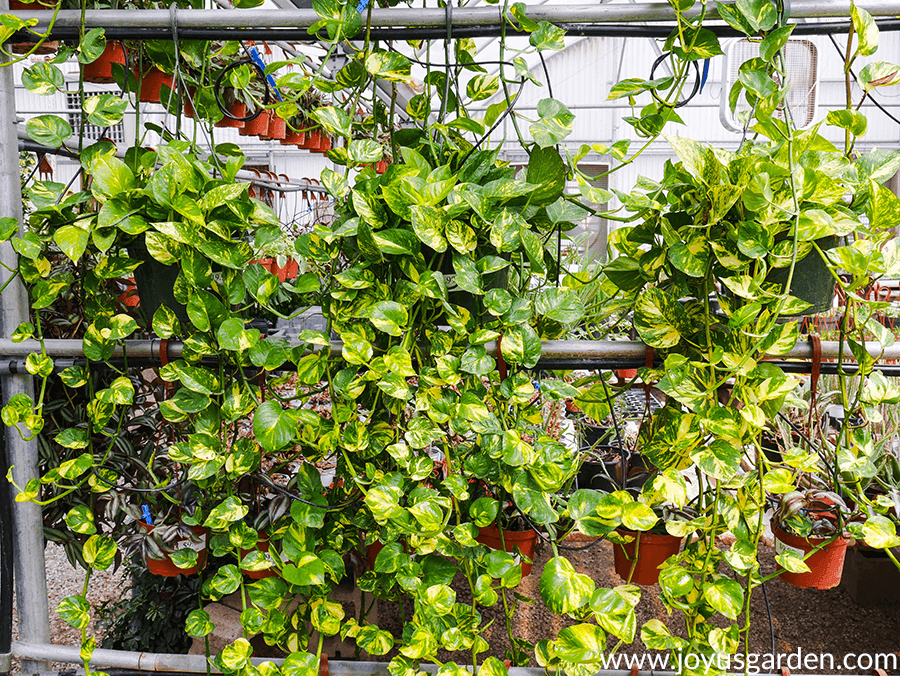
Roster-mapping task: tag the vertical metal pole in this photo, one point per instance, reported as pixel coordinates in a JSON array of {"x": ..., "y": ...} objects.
[{"x": 30, "y": 574}]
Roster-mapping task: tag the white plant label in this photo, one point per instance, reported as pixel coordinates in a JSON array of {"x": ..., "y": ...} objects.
[{"x": 781, "y": 548}]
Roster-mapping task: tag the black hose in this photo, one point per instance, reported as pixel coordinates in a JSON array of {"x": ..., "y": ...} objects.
[{"x": 301, "y": 34}]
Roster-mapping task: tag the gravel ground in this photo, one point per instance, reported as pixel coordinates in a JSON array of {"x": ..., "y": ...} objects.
[{"x": 63, "y": 580}]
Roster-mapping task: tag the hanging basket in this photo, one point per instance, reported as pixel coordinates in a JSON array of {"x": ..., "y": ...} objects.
[
  {"x": 653, "y": 551},
  {"x": 812, "y": 280},
  {"x": 100, "y": 70},
  {"x": 524, "y": 541},
  {"x": 155, "y": 283},
  {"x": 825, "y": 566},
  {"x": 165, "y": 567}
]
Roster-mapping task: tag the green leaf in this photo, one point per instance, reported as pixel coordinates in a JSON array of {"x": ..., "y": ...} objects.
[
  {"x": 562, "y": 589},
  {"x": 75, "y": 611},
  {"x": 43, "y": 79},
  {"x": 555, "y": 123},
  {"x": 866, "y": 31},
  {"x": 389, "y": 66},
  {"x": 334, "y": 120},
  {"x": 659, "y": 318},
  {"x": 72, "y": 240},
  {"x": 725, "y": 595},
  {"x": 81, "y": 520},
  {"x": 878, "y": 74},
  {"x": 482, "y": 87},
  {"x": 274, "y": 427},
  {"x": 580, "y": 643},
  {"x": 226, "y": 512},
  {"x": 99, "y": 551},
  {"x": 521, "y": 345},
  {"x": 48, "y": 130},
  {"x": 92, "y": 45},
  {"x": 774, "y": 41},
  {"x": 389, "y": 316},
  {"x": 548, "y": 36},
  {"x": 105, "y": 110},
  {"x": 198, "y": 624}
]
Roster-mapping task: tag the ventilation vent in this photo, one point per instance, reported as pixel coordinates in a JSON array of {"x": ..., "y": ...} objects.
[
  {"x": 114, "y": 133},
  {"x": 802, "y": 67}
]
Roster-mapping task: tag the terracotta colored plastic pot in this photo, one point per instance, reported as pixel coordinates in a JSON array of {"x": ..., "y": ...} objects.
[
  {"x": 294, "y": 138},
  {"x": 257, "y": 126},
  {"x": 324, "y": 144},
  {"x": 289, "y": 271},
  {"x": 653, "y": 550},
  {"x": 372, "y": 552},
  {"x": 237, "y": 109},
  {"x": 277, "y": 129},
  {"x": 129, "y": 297},
  {"x": 825, "y": 566},
  {"x": 165, "y": 567},
  {"x": 262, "y": 544},
  {"x": 627, "y": 374},
  {"x": 313, "y": 139},
  {"x": 523, "y": 540},
  {"x": 381, "y": 167},
  {"x": 100, "y": 70},
  {"x": 151, "y": 83}
]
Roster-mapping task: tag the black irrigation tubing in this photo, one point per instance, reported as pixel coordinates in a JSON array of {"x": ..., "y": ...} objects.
[
  {"x": 128, "y": 489},
  {"x": 856, "y": 80},
  {"x": 432, "y": 33},
  {"x": 266, "y": 481},
  {"x": 768, "y": 612}
]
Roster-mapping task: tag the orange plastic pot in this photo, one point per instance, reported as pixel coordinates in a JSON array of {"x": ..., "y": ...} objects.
[
  {"x": 237, "y": 109},
  {"x": 825, "y": 566},
  {"x": 653, "y": 550},
  {"x": 165, "y": 567},
  {"x": 100, "y": 70},
  {"x": 47, "y": 47},
  {"x": 289, "y": 271},
  {"x": 258, "y": 126},
  {"x": 523, "y": 540},
  {"x": 324, "y": 144},
  {"x": 294, "y": 138},
  {"x": 313, "y": 139},
  {"x": 152, "y": 82},
  {"x": 129, "y": 297},
  {"x": 262, "y": 544},
  {"x": 277, "y": 129}
]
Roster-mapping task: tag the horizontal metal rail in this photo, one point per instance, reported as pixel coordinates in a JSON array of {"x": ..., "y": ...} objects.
[
  {"x": 428, "y": 17},
  {"x": 551, "y": 350}
]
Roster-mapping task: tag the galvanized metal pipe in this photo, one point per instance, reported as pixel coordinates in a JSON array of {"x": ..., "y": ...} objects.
[
  {"x": 427, "y": 17},
  {"x": 550, "y": 349},
  {"x": 30, "y": 576}
]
